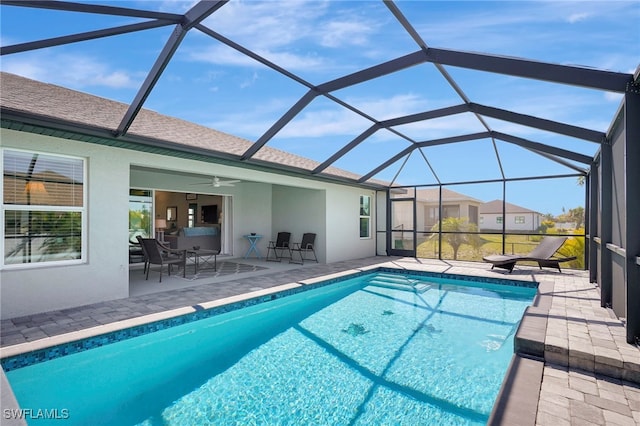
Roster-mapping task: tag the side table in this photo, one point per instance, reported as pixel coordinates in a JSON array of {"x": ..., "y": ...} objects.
[{"x": 253, "y": 240}]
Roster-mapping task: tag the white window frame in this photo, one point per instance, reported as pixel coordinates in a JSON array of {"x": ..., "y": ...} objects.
[
  {"x": 520, "y": 220},
  {"x": 16, "y": 207},
  {"x": 364, "y": 216}
]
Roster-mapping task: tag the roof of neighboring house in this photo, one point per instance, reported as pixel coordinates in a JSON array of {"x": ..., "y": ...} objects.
[
  {"x": 495, "y": 206},
  {"x": 432, "y": 194},
  {"x": 55, "y": 104}
]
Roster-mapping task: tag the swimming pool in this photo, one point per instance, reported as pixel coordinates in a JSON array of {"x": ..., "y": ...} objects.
[{"x": 378, "y": 348}]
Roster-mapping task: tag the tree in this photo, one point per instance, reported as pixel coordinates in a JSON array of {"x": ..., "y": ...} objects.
[
  {"x": 575, "y": 215},
  {"x": 458, "y": 231}
]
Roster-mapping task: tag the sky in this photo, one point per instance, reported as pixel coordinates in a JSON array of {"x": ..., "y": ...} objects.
[{"x": 213, "y": 85}]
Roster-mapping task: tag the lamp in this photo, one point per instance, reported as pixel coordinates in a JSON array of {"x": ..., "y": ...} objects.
[
  {"x": 161, "y": 225},
  {"x": 36, "y": 192}
]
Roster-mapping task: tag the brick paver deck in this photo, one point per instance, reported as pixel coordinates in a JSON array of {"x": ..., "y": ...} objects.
[{"x": 586, "y": 372}]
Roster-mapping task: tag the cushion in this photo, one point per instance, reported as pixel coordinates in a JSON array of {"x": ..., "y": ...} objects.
[{"x": 199, "y": 231}]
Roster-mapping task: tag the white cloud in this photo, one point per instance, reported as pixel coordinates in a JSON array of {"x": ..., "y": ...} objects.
[
  {"x": 340, "y": 33},
  {"x": 292, "y": 34},
  {"x": 577, "y": 17},
  {"x": 613, "y": 97},
  {"x": 222, "y": 55},
  {"x": 323, "y": 123},
  {"x": 395, "y": 106},
  {"x": 248, "y": 82},
  {"x": 70, "y": 70}
]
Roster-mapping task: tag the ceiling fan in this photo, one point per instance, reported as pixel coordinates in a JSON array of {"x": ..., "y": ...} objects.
[{"x": 216, "y": 182}]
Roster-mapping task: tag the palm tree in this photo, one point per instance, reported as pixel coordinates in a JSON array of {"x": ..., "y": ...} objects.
[{"x": 458, "y": 231}]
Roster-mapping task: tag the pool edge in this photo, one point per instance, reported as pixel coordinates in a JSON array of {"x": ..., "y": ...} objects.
[{"x": 517, "y": 401}]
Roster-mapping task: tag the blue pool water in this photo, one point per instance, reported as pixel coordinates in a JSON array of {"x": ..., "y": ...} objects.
[{"x": 375, "y": 349}]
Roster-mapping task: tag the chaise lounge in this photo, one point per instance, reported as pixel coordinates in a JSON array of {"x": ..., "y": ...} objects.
[{"x": 543, "y": 254}]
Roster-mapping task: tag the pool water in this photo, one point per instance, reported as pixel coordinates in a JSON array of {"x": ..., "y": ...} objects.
[{"x": 370, "y": 350}]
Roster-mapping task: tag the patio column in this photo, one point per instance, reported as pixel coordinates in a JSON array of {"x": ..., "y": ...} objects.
[
  {"x": 592, "y": 231},
  {"x": 606, "y": 218},
  {"x": 632, "y": 213}
]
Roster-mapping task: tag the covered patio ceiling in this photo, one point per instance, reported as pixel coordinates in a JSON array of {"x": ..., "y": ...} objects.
[{"x": 536, "y": 110}]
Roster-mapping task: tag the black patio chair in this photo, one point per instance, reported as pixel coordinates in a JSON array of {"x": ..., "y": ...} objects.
[
  {"x": 158, "y": 254},
  {"x": 282, "y": 244},
  {"x": 306, "y": 246}
]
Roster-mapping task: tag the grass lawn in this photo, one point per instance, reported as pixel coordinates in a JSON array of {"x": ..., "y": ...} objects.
[{"x": 488, "y": 244}]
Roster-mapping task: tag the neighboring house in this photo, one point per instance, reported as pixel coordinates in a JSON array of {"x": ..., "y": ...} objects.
[
  {"x": 427, "y": 213},
  {"x": 516, "y": 218},
  {"x": 454, "y": 204},
  {"x": 69, "y": 184}
]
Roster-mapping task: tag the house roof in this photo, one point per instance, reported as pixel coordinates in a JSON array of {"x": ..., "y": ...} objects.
[
  {"x": 20, "y": 96},
  {"x": 432, "y": 195},
  {"x": 495, "y": 207}
]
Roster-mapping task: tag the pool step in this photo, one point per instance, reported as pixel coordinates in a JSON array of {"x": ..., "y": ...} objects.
[{"x": 400, "y": 283}]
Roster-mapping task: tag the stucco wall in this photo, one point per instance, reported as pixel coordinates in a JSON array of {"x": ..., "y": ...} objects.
[
  {"x": 105, "y": 274},
  {"x": 343, "y": 229},
  {"x": 299, "y": 210},
  {"x": 531, "y": 222},
  {"x": 262, "y": 203}
]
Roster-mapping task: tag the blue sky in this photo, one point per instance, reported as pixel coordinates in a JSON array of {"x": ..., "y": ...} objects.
[{"x": 211, "y": 84}]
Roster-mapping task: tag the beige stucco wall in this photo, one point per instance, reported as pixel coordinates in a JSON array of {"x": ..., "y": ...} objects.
[{"x": 263, "y": 203}]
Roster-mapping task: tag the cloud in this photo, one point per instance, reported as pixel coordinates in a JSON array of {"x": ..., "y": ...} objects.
[
  {"x": 526, "y": 29},
  {"x": 577, "y": 17},
  {"x": 291, "y": 34},
  {"x": 70, "y": 70},
  {"x": 325, "y": 123},
  {"x": 613, "y": 97},
  {"x": 222, "y": 55},
  {"x": 249, "y": 81},
  {"x": 340, "y": 33}
]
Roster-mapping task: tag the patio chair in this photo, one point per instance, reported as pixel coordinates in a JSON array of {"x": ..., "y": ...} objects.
[
  {"x": 158, "y": 254},
  {"x": 281, "y": 244},
  {"x": 543, "y": 254},
  {"x": 135, "y": 252},
  {"x": 306, "y": 246},
  {"x": 144, "y": 254}
]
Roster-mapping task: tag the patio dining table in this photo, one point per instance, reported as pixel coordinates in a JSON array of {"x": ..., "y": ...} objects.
[{"x": 203, "y": 258}]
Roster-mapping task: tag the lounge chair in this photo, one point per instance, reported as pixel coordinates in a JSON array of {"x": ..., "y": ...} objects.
[
  {"x": 543, "y": 254},
  {"x": 282, "y": 244},
  {"x": 306, "y": 246},
  {"x": 158, "y": 254}
]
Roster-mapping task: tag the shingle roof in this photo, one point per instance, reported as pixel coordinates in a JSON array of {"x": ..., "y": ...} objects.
[
  {"x": 495, "y": 206},
  {"x": 432, "y": 194},
  {"x": 50, "y": 101}
]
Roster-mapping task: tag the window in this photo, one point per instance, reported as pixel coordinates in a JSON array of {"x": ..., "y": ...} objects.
[
  {"x": 499, "y": 219},
  {"x": 140, "y": 213},
  {"x": 44, "y": 208},
  {"x": 365, "y": 216},
  {"x": 450, "y": 211},
  {"x": 191, "y": 215},
  {"x": 519, "y": 219}
]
